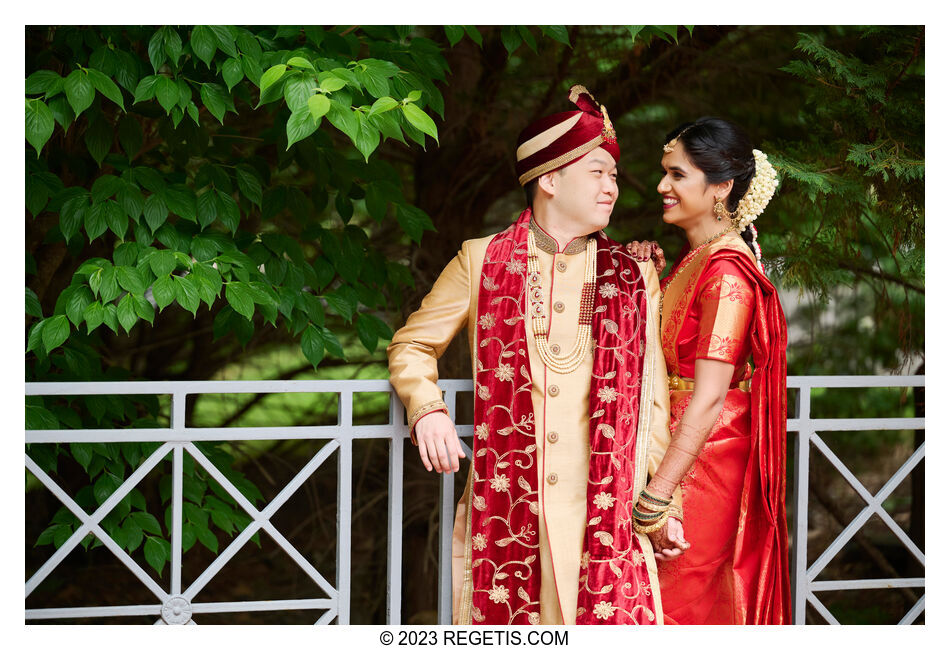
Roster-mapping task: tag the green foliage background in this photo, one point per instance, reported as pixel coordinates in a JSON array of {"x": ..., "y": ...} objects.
[{"x": 202, "y": 197}]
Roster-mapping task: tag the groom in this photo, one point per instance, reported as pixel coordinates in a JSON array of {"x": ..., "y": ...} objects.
[{"x": 571, "y": 399}]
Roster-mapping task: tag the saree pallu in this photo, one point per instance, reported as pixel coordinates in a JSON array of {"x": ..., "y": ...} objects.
[{"x": 736, "y": 570}]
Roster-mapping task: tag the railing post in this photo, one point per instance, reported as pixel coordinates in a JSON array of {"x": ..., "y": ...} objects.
[
  {"x": 344, "y": 511},
  {"x": 394, "y": 536},
  {"x": 446, "y": 528},
  {"x": 800, "y": 495}
]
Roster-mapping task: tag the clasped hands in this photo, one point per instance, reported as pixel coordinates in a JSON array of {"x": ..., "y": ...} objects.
[
  {"x": 646, "y": 250},
  {"x": 669, "y": 542}
]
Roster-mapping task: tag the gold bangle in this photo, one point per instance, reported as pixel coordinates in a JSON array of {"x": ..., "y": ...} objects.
[{"x": 652, "y": 527}]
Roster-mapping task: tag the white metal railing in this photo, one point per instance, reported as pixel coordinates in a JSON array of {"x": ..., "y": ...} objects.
[
  {"x": 176, "y": 603},
  {"x": 804, "y": 583}
]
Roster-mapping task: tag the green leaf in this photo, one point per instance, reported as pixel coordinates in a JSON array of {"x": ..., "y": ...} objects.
[
  {"x": 454, "y": 34},
  {"x": 105, "y": 486},
  {"x": 330, "y": 83},
  {"x": 107, "y": 87},
  {"x": 203, "y": 44},
  {"x": 207, "y": 207},
  {"x": 116, "y": 219},
  {"x": 162, "y": 262},
  {"x": 298, "y": 90},
  {"x": 79, "y": 91},
  {"x": 224, "y": 39},
  {"x": 143, "y": 308},
  {"x": 33, "y": 304},
  {"x": 39, "y": 124},
  {"x": 344, "y": 119},
  {"x": 207, "y": 538},
  {"x": 79, "y": 298},
  {"x": 55, "y": 332},
  {"x": 249, "y": 185},
  {"x": 167, "y": 93},
  {"x": 272, "y": 76},
  {"x": 366, "y": 330},
  {"x": 163, "y": 290},
  {"x": 105, "y": 187},
  {"x": 173, "y": 44},
  {"x": 156, "y": 49},
  {"x": 38, "y": 418},
  {"x": 510, "y": 38},
  {"x": 367, "y": 139},
  {"x": 125, "y": 312},
  {"x": 420, "y": 120},
  {"x": 186, "y": 293},
  {"x": 557, "y": 32},
  {"x": 413, "y": 221},
  {"x": 145, "y": 89},
  {"x": 474, "y": 34},
  {"x": 232, "y": 72},
  {"x": 300, "y": 62},
  {"x": 214, "y": 97},
  {"x": 634, "y": 31},
  {"x": 131, "y": 279},
  {"x": 43, "y": 81},
  {"x": 156, "y": 213},
  {"x": 95, "y": 221},
  {"x": 382, "y": 105},
  {"x": 155, "y": 554},
  {"x": 180, "y": 200},
  {"x": 99, "y": 138},
  {"x": 93, "y": 314},
  {"x": 240, "y": 298},
  {"x": 228, "y": 211},
  {"x": 300, "y": 125},
  {"x": 318, "y": 105},
  {"x": 312, "y": 345}
]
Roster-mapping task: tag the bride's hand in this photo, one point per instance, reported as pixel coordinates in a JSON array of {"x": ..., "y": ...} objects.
[{"x": 645, "y": 250}]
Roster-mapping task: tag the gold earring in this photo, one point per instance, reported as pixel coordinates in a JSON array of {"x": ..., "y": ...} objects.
[{"x": 719, "y": 209}]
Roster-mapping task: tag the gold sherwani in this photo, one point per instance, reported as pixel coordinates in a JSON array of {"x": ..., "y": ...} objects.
[{"x": 560, "y": 406}]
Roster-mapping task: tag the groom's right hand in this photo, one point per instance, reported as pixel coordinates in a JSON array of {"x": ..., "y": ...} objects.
[{"x": 438, "y": 442}]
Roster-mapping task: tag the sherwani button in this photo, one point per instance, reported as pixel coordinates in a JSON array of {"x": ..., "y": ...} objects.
[
  {"x": 559, "y": 306},
  {"x": 555, "y": 348},
  {"x": 553, "y": 390},
  {"x": 561, "y": 266},
  {"x": 552, "y": 437},
  {"x": 552, "y": 478}
]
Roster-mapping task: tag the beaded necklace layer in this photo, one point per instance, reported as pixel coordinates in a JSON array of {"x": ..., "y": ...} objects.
[
  {"x": 573, "y": 359},
  {"x": 688, "y": 259}
]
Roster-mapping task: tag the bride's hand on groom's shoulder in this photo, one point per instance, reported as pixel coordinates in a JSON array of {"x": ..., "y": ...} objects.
[{"x": 646, "y": 250}]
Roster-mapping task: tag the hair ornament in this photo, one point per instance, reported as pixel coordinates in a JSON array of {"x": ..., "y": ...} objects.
[{"x": 760, "y": 191}]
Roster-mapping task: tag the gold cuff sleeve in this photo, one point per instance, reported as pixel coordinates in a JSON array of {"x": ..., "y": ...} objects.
[{"x": 417, "y": 346}]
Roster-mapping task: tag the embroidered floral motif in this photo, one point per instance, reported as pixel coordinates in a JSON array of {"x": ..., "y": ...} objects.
[
  {"x": 534, "y": 618},
  {"x": 604, "y": 500},
  {"x": 585, "y": 559},
  {"x": 608, "y": 290},
  {"x": 498, "y": 594},
  {"x": 504, "y": 372},
  {"x": 479, "y": 542},
  {"x": 515, "y": 266},
  {"x": 607, "y": 394},
  {"x": 604, "y": 610},
  {"x": 481, "y": 431},
  {"x": 486, "y": 321},
  {"x": 637, "y": 558},
  {"x": 500, "y": 483},
  {"x": 484, "y": 393},
  {"x": 478, "y": 502}
]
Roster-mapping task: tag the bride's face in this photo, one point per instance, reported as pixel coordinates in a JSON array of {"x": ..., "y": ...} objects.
[{"x": 687, "y": 197}]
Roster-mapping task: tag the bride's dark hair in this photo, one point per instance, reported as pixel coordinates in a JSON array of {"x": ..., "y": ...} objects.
[{"x": 722, "y": 151}]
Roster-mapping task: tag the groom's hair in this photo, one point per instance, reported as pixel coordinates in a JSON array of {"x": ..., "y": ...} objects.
[{"x": 531, "y": 189}]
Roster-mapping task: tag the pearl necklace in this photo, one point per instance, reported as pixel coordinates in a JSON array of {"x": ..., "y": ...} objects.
[
  {"x": 573, "y": 359},
  {"x": 688, "y": 259}
]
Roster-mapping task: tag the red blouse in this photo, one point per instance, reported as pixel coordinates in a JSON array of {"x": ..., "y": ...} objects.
[{"x": 717, "y": 322}]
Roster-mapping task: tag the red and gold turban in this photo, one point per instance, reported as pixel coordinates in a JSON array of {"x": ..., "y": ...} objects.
[{"x": 558, "y": 140}]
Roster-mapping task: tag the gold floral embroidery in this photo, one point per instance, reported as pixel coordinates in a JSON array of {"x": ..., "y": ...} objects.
[
  {"x": 608, "y": 290},
  {"x": 585, "y": 559},
  {"x": 604, "y": 500},
  {"x": 500, "y": 483},
  {"x": 515, "y": 266},
  {"x": 486, "y": 321},
  {"x": 498, "y": 594},
  {"x": 504, "y": 372},
  {"x": 481, "y": 431},
  {"x": 607, "y": 394},
  {"x": 479, "y": 542},
  {"x": 604, "y": 610}
]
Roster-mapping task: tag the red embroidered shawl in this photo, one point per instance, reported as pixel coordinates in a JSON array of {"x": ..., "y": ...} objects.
[{"x": 614, "y": 584}]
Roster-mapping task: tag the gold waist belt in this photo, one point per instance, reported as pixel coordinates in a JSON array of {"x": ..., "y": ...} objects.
[{"x": 681, "y": 383}]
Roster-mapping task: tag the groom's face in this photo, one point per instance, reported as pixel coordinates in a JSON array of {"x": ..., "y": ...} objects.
[{"x": 585, "y": 192}]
